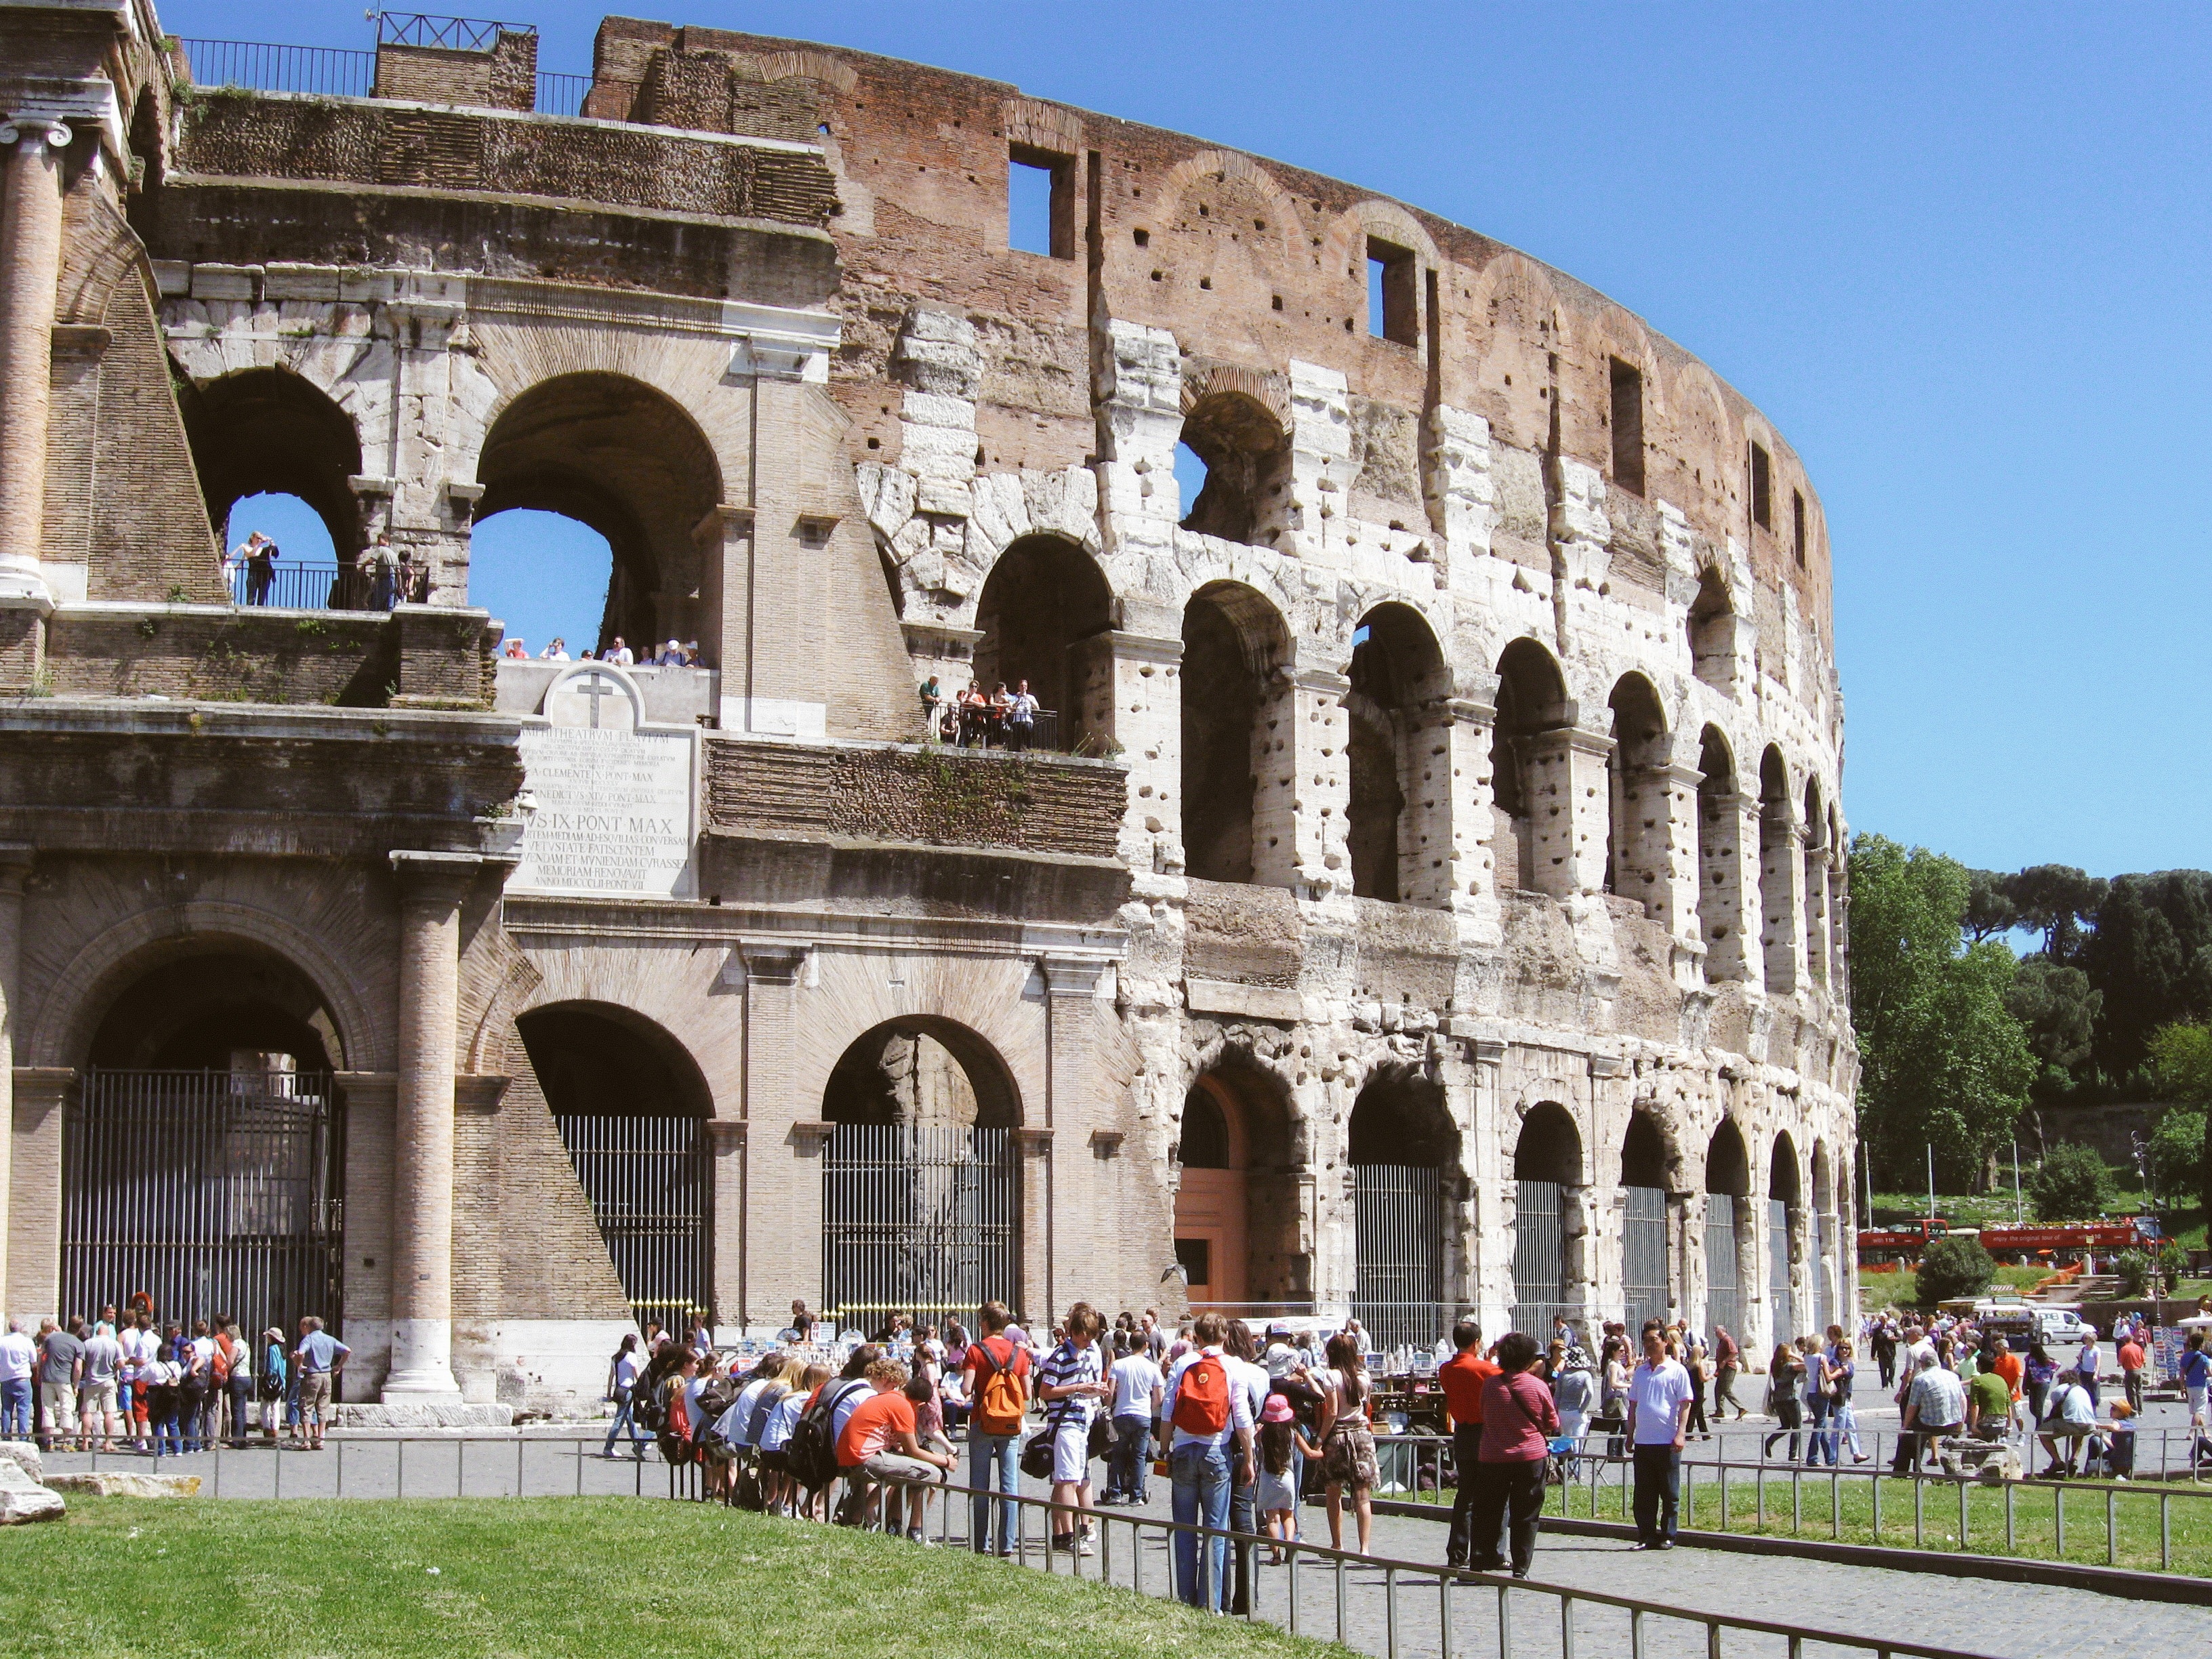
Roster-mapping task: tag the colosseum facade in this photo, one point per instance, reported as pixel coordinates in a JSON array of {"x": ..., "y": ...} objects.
[{"x": 1423, "y": 888}]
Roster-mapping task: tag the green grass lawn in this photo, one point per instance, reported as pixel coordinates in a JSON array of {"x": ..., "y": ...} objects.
[
  {"x": 1813, "y": 1512},
  {"x": 548, "y": 1576},
  {"x": 1902, "y": 1289}
]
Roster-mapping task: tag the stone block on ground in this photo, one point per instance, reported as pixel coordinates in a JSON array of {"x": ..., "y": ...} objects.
[
  {"x": 123, "y": 1483},
  {"x": 25, "y": 1455},
  {"x": 424, "y": 1415},
  {"x": 22, "y": 1499}
]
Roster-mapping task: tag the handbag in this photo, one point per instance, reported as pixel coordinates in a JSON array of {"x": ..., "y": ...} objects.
[{"x": 1036, "y": 1455}]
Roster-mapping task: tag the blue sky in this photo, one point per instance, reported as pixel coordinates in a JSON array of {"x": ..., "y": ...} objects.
[{"x": 1957, "y": 253}]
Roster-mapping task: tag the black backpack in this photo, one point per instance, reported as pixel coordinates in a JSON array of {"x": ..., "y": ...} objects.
[{"x": 813, "y": 1450}]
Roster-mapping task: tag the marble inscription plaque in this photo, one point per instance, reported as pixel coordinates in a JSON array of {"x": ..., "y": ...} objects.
[{"x": 615, "y": 812}]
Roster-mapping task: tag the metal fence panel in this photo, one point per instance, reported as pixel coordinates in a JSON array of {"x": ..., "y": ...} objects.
[
  {"x": 924, "y": 1220},
  {"x": 213, "y": 1192},
  {"x": 1643, "y": 1255},
  {"x": 649, "y": 1181},
  {"x": 1723, "y": 1288},
  {"x": 1398, "y": 1219},
  {"x": 318, "y": 72},
  {"x": 1540, "y": 1258},
  {"x": 1782, "y": 1304}
]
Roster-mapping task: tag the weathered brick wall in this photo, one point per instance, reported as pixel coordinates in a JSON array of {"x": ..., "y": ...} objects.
[
  {"x": 242, "y": 135},
  {"x": 504, "y": 77},
  {"x": 1036, "y": 804},
  {"x": 348, "y": 659}
]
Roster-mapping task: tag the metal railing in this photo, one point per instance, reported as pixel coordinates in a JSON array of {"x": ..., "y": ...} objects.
[
  {"x": 977, "y": 728},
  {"x": 562, "y": 95},
  {"x": 290, "y": 584},
  {"x": 1416, "y": 1463},
  {"x": 415, "y": 28},
  {"x": 257, "y": 66}
]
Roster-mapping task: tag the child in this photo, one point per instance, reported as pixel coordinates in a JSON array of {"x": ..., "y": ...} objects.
[
  {"x": 1276, "y": 1499},
  {"x": 2120, "y": 1444}
]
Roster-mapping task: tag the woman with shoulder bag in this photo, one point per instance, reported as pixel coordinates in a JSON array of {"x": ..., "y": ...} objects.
[
  {"x": 275, "y": 1366},
  {"x": 1347, "y": 1442},
  {"x": 622, "y": 1373},
  {"x": 1782, "y": 1373},
  {"x": 1519, "y": 1423}
]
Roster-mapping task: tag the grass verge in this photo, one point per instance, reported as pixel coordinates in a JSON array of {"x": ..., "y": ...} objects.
[
  {"x": 1812, "y": 1507},
  {"x": 549, "y": 1576}
]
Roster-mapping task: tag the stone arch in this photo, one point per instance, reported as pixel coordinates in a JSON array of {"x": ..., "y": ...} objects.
[
  {"x": 1720, "y": 860},
  {"x": 1781, "y": 867},
  {"x": 1638, "y": 826},
  {"x": 1237, "y": 1233},
  {"x": 605, "y": 1051},
  {"x": 1531, "y": 703},
  {"x": 1784, "y": 1216},
  {"x": 271, "y": 431},
  {"x": 921, "y": 1069},
  {"x": 1398, "y": 830},
  {"x": 1235, "y": 704},
  {"x": 1404, "y": 1157},
  {"x": 1230, "y": 167},
  {"x": 1550, "y": 1218},
  {"x": 623, "y": 457},
  {"x": 78, "y": 997},
  {"x": 1730, "y": 1230},
  {"x": 1705, "y": 445},
  {"x": 1647, "y": 1179},
  {"x": 1245, "y": 447},
  {"x": 1045, "y": 612},
  {"x": 803, "y": 64}
]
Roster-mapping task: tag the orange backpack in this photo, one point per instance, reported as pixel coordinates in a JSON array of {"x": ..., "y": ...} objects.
[
  {"x": 1002, "y": 1397},
  {"x": 1202, "y": 1396}
]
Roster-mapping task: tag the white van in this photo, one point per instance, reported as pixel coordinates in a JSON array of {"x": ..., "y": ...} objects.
[{"x": 2060, "y": 1325}]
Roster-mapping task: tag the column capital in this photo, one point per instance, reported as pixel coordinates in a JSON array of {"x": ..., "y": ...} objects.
[
  {"x": 726, "y": 1135},
  {"x": 725, "y": 518},
  {"x": 1032, "y": 1142},
  {"x": 480, "y": 1092},
  {"x": 1467, "y": 711},
  {"x": 1073, "y": 975},
  {"x": 51, "y": 131},
  {"x": 1144, "y": 647},
  {"x": 1574, "y": 739},
  {"x": 436, "y": 877},
  {"x": 774, "y": 960}
]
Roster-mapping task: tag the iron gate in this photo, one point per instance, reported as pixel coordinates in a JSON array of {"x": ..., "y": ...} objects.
[
  {"x": 1644, "y": 1257},
  {"x": 919, "y": 1218},
  {"x": 650, "y": 1182},
  {"x": 1782, "y": 1304},
  {"x": 1723, "y": 1284},
  {"x": 213, "y": 1192},
  {"x": 1399, "y": 1278},
  {"x": 1823, "y": 1268},
  {"x": 1540, "y": 1259}
]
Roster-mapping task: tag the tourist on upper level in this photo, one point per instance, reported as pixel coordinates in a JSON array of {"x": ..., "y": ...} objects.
[
  {"x": 1021, "y": 718},
  {"x": 557, "y": 651},
  {"x": 619, "y": 653},
  {"x": 514, "y": 650}
]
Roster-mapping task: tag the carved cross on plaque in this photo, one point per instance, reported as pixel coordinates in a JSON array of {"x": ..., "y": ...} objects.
[{"x": 595, "y": 686}]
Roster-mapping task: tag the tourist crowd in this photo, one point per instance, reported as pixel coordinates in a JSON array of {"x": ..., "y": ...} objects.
[
  {"x": 674, "y": 655},
  {"x": 974, "y": 718},
  {"x": 130, "y": 1383}
]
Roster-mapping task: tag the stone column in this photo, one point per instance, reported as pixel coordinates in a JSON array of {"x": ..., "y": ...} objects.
[
  {"x": 1782, "y": 905},
  {"x": 1659, "y": 805},
  {"x": 1033, "y": 1145},
  {"x": 1302, "y": 792},
  {"x": 1074, "y": 1111},
  {"x": 15, "y": 866},
  {"x": 427, "y": 524},
  {"x": 1471, "y": 857},
  {"x": 1816, "y": 914},
  {"x": 1569, "y": 799},
  {"x": 431, "y": 888},
  {"x": 30, "y": 268},
  {"x": 726, "y": 1141},
  {"x": 783, "y": 1251},
  {"x": 1147, "y": 722}
]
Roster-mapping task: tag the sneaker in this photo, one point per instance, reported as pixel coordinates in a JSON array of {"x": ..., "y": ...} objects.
[{"x": 1083, "y": 1547}]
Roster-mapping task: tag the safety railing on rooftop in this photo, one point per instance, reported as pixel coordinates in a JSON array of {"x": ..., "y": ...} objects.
[
  {"x": 416, "y": 28},
  {"x": 333, "y": 72}
]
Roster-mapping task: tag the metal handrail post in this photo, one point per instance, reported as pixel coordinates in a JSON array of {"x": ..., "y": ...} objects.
[
  {"x": 1566, "y": 1627},
  {"x": 1340, "y": 1600},
  {"x": 1390, "y": 1612},
  {"x": 2111, "y": 1527},
  {"x": 399, "y": 1481},
  {"x": 1444, "y": 1616},
  {"x": 518, "y": 1465}
]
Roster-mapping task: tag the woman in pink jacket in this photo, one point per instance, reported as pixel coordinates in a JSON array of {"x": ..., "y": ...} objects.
[{"x": 1518, "y": 1424}]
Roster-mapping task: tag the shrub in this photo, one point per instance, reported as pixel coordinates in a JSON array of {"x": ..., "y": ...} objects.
[
  {"x": 1953, "y": 1267},
  {"x": 2073, "y": 1184},
  {"x": 2133, "y": 1268}
]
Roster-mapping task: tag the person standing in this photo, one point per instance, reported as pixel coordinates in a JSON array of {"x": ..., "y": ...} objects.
[
  {"x": 1210, "y": 1446},
  {"x": 2088, "y": 1362},
  {"x": 1784, "y": 1372},
  {"x": 1071, "y": 1384},
  {"x": 1843, "y": 1371},
  {"x": 1138, "y": 1384},
  {"x": 1728, "y": 1361},
  {"x": 61, "y": 1367},
  {"x": 1820, "y": 1403},
  {"x": 1698, "y": 1361},
  {"x": 275, "y": 1375},
  {"x": 1247, "y": 1376},
  {"x": 995, "y": 1377},
  {"x": 320, "y": 1358},
  {"x": 1659, "y": 1397},
  {"x": 1021, "y": 719},
  {"x": 1462, "y": 1378},
  {"x": 103, "y": 1374},
  {"x": 19, "y": 1365},
  {"x": 1346, "y": 1438},
  {"x": 2131, "y": 1371},
  {"x": 1518, "y": 1424}
]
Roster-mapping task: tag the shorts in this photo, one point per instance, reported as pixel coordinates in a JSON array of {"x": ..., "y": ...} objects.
[
  {"x": 1071, "y": 1452},
  {"x": 314, "y": 1397},
  {"x": 97, "y": 1399},
  {"x": 896, "y": 1470},
  {"x": 58, "y": 1405},
  {"x": 2196, "y": 1405},
  {"x": 775, "y": 1463}
]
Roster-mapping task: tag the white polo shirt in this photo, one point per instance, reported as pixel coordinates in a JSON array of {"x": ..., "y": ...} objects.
[{"x": 1658, "y": 1393}]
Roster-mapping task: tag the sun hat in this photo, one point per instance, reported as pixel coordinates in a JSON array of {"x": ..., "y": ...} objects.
[{"x": 1277, "y": 1410}]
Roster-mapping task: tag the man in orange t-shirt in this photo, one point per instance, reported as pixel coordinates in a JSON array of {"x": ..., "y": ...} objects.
[
  {"x": 2006, "y": 1363},
  {"x": 1462, "y": 1377},
  {"x": 878, "y": 1449}
]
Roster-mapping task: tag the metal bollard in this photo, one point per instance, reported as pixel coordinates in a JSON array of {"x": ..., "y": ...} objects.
[
  {"x": 2111, "y": 1527},
  {"x": 1390, "y": 1610},
  {"x": 1340, "y": 1600},
  {"x": 1504, "y": 1622},
  {"x": 1713, "y": 1642},
  {"x": 1566, "y": 1627},
  {"x": 1636, "y": 1633},
  {"x": 1444, "y": 1616}
]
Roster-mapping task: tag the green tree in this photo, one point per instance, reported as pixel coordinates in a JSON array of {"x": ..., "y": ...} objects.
[
  {"x": 1954, "y": 1267},
  {"x": 2058, "y": 1008},
  {"x": 2181, "y": 1070},
  {"x": 2177, "y": 1156},
  {"x": 2151, "y": 955},
  {"x": 1990, "y": 906},
  {"x": 1943, "y": 1062},
  {"x": 2058, "y": 899},
  {"x": 2073, "y": 1184}
]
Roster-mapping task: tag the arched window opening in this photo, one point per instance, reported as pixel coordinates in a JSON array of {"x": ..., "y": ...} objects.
[
  {"x": 1242, "y": 447},
  {"x": 1236, "y": 731},
  {"x": 1816, "y": 885},
  {"x": 1820, "y": 1267},
  {"x": 1778, "y": 867},
  {"x": 1403, "y": 1149},
  {"x": 1531, "y": 697},
  {"x": 1235, "y": 1214},
  {"x": 1549, "y": 1190},
  {"x": 1045, "y": 612},
  {"x": 1635, "y": 826},
  {"x": 626, "y": 461},
  {"x": 1643, "y": 1266},
  {"x": 547, "y": 578},
  {"x": 1727, "y": 1221},
  {"x": 1720, "y": 860},
  {"x": 1782, "y": 1216},
  {"x": 267, "y": 432},
  {"x": 921, "y": 1179},
  {"x": 1712, "y": 632},
  {"x": 204, "y": 1147},
  {"x": 631, "y": 1107},
  {"x": 1397, "y": 832}
]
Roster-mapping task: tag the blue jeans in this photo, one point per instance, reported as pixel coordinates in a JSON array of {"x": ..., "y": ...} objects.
[
  {"x": 625, "y": 1399},
  {"x": 989, "y": 1454},
  {"x": 1201, "y": 1474},
  {"x": 17, "y": 1419},
  {"x": 1822, "y": 1440},
  {"x": 1126, "y": 1471}
]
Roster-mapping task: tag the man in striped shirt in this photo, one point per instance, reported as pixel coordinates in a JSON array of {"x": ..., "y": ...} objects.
[{"x": 1071, "y": 1384}]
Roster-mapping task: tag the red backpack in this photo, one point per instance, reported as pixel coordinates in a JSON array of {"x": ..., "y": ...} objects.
[{"x": 1202, "y": 1396}]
